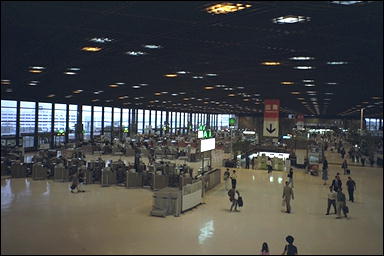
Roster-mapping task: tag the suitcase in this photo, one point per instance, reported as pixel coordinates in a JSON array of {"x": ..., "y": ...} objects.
[{"x": 240, "y": 201}]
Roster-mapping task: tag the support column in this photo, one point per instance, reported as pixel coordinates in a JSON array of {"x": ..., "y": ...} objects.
[
  {"x": 18, "y": 124},
  {"x": 66, "y": 134},
  {"x": 361, "y": 119},
  {"x": 36, "y": 134},
  {"x": 52, "y": 142}
]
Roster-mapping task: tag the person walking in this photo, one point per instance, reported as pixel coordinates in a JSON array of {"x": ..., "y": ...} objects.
[
  {"x": 341, "y": 204},
  {"x": 290, "y": 249},
  {"x": 233, "y": 198},
  {"x": 287, "y": 194},
  {"x": 234, "y": 178},
  {"x": 325, "y": 171},
  {"x": 75, "y": 182},
  {"x": 253, "y": 163},
  {"x": 342, "y": 153},
  {"x": 335, "y": 183},
  {"x": 344, "y": 165},
  {"x": 290, "y": 177},
  {"x": 264, "y": 249},
  {"x": 331, "y": 200},
  {"x": 227, "y": 175},
  {"x": 351, "y": 188},
  {"x": 362, "y": 161},
  {"x": 269, "y": 165}
]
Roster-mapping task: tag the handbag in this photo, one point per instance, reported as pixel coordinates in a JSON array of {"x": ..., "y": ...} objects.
[
  {"x": 240, "y": 201},
  {"x": 346, "y": 209}
]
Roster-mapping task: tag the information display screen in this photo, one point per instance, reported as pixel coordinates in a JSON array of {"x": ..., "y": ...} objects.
[
  {"x": 200, "y": 134},
  {"x": 207, "y": 144}
]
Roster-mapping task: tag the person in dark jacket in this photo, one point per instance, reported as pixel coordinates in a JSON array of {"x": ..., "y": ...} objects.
[
  {"x": 351, "y": 188},
  {"x": 290, "y": 249},
  {"x": 344, "y": 165},
  {"x": 325, "y": 171},
  {"x": 341, "y": 204}
]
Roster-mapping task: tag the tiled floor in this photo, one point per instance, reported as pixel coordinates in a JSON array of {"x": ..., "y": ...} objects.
[{"x": 43, "y": 217}]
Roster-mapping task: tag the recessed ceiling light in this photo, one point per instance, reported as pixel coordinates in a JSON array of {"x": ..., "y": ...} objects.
[
  {"x": 197, "y": 77},
  {"x": 301, "y": 98},
  {"x": 240, "y": 87},
  {"x": 346, "y": 2},
  {"x": 336, "y": 62},
  {"x": 211, "y": 74},
  {"x": 120, "y": 83},
  {"x": 113, "y": 85},
  {"x": 101, "y": 40},
  {"x": 185, "y": 98},
  {"x": 224, "y": 8},
  {"x": 70, "y": 73},
  {"x": 331, "y": 83},
  {"x": 289, "y": 19},
  {"x": 308, "y": 81},
  {"x": 209, "y": 87},
  {"x": 375, "y": 97},
  {"x": 37, "y": 67},
  {"x": 245, "y": 99},
  {"x": 174, "y": 94},
  {"x": 231, "y": 95},
  {"x": 35, "y": 71},
  {"x": 309, "y": 85},
  {"x": 220, "y": 86},
  {"x": 74, "y": 69},
  {"x": 95, "y": 100},
  {"x": 301, "y": 58},
  {"x": 303, "y": 67},
  {"x": 98, "y": 92},
  {"x": 287, "y": 83},
  {"x": 182, "y": 93},
  {"x": 136, "y": 87},
  {"x": 157, "y": 93},
  {"x": 328, "y": 93},
  {"x": 143, "y": 84},
  {"x": 164, "y": 92},
  {"x": 134, "y": 53},
  {"x": 270, "y": 63},
  {"x": 68, "y": 96},
  {"x": 152, "y": 46},
  {"x": 5, "y": 82},
  {"x": 51, "y": 95},
  {"x": 182, "y": 72},
  {"x": 91, "y": 49},
  {"x": 170, "y": 75},
  {"x": 228, "y": 89},
  {"x": 78, "y": 91},
  {"x": 295, "y": 92}
]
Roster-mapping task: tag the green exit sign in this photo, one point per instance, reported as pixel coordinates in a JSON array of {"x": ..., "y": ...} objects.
[{"x": 232, "y": 121}]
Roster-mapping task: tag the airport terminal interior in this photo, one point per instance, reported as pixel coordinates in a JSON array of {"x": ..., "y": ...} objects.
[{"x": 192, "y": 127}]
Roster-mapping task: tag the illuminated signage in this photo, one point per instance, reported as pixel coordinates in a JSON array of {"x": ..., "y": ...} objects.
[{"x": 207, "y": 144}]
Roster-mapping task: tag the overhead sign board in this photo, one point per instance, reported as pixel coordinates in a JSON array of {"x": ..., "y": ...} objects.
[
  {"x": 271, "y": 118},
  {"x": 300, "y": 122},
  {"x": 207, "y": 144}
]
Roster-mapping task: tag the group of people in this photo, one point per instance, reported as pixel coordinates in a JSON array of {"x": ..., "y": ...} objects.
[
  {"x": 289, "y": 249},
  {"x": 234, "y": 195}
]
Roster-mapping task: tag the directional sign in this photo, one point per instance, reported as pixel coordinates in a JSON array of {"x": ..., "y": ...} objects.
[{"x": 271, "y": 118}]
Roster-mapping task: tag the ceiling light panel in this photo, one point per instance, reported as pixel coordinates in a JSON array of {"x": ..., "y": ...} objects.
[
  {"x": 224, "y": 8},
  {"x": 152, "y": 46},
  {"x": 289, "y": 19},
  {"x": 91, "y": 49},
  {"x": 136, "y": 53},
  {"x": 303, "y": 67},
  {"x": 337, "y": 62},
  {"x": 101, "y": 40},
  {"x": 270, "y": 63},
  {"x": 301, "y": 58}
]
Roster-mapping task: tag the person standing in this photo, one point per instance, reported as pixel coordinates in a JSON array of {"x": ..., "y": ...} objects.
[
  {"x": 269, "y": 165},
  {"x": 325, "y": 171},
  {"x": 331, "y": 200},
  {"x": 247, "y": 161},
  {"x": 265, "y": 249},
  {"x": 342, "y": 153},
  {"x": 226, "y": 179},
  {"x": 290, "y": 177},
  {"x": 362, "y": 161},
  {"x": 340, "y": 204},
  {"x": 335, "y": 184},
  {"x": 290, "y": 249},
  {"x": 344, "y": 165},
  {"x": 253, "y": 163},
  {"x": 75, "y": 182},
  {"x": 287, "y": 194},
  {"x": 234, "y": 179},
  {"x": 351, "y": 188}
]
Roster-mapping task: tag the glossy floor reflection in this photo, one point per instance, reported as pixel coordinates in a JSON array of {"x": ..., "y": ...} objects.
[{"x": 43, "y": 217}]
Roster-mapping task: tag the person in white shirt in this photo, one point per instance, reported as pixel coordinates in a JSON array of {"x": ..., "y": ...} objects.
[{"x": 331, "y": 200}]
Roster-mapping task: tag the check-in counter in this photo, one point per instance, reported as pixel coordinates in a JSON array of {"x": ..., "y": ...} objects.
[
  {"x": 18, "y": 170},
  {"x": 134, "y": 180},
  {"x": 211, "y": 179},
  {"x": 192, "y": 195},
  {"x": 39, "y": 172},
  {"x": 61, "y": 173}
]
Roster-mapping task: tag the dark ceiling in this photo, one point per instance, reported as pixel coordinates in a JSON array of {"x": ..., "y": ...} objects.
[{"x": 233, "y": 46}]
